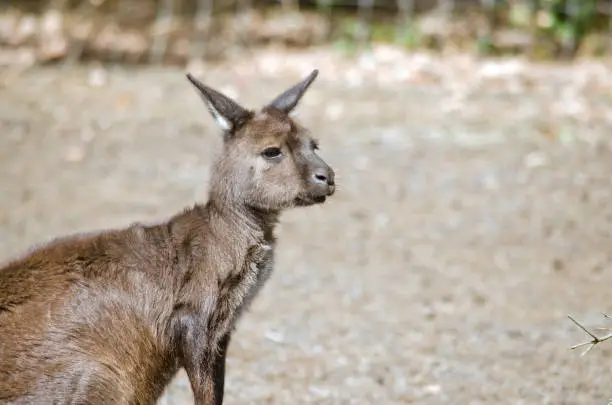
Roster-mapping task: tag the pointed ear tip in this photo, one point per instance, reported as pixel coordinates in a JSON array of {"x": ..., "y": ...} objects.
[
  {"x": 202, "y": 88},
  {"x": 191, "y": 78}
]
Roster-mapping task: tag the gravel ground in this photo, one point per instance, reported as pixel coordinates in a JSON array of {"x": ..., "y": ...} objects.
[{"x": 473, "y": 214}]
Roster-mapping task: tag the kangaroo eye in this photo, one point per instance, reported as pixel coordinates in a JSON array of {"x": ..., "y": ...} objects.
[{"x": 271, "y": 153}]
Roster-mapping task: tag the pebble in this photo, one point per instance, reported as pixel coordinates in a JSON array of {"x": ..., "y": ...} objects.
[
  {"x": 535, "y": 159},
  {"x": 97, "y": 77},
  {"x": 75, "y": 154},
  {"x": 275, "y": 337}
]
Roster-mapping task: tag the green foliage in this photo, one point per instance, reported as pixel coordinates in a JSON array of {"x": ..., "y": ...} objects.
[
  {"x": 485, "y": 45},
  {"x": 345, "y": 41},
  {"x": 347, "y": 29},
  {"x": 325, "y": 6},
  {"x": 408, "y": 36},
  {"x": 569, "y": 20},
  {"x": 520, "y": 14}
]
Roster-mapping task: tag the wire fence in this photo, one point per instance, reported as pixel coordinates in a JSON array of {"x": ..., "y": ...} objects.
[{"x": 177, "y": 31}]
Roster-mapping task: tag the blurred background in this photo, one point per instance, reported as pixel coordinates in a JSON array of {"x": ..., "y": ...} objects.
[
  {"x": 472, "y": 145},
  {"x": 179, "y": 31}
]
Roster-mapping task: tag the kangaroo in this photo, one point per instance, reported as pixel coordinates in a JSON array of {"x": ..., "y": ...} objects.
[{"x": 110, "y": 317}]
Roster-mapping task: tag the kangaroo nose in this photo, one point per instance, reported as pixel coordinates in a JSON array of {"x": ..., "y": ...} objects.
[{"x": 323, "y": 176}]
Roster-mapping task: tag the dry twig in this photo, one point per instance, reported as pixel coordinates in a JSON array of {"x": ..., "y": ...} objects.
[{"x": 595, "y": 340}]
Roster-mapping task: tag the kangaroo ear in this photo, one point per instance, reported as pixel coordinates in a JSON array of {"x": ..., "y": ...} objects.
[
  {"x": 227, "y": 112},
  {"x": 288, "y": 100}
]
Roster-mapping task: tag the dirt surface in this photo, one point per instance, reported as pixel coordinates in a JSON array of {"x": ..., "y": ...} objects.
[{"x": 471, "y": 217}]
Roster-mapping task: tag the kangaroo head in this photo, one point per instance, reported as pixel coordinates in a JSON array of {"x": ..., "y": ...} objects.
[{"x": 269, "y": 161}]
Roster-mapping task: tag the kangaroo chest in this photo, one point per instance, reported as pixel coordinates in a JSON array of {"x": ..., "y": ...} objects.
[
  {"x": 257, "y": 270},
  {"x": 240, "y": 288}
]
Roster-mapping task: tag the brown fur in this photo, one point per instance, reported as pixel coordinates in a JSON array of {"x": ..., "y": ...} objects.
[{"x": 110, "y": 317}]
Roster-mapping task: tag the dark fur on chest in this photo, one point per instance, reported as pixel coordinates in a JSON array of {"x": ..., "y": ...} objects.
[{"x": 238, "y": 290}]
